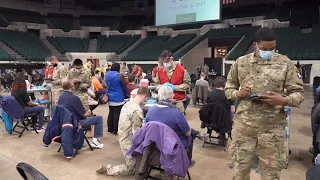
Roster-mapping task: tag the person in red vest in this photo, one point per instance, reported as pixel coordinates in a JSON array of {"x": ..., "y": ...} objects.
[
  {"x": 137, "y": 71},
  {"x": 175, "y": 76},
  {"x": 156, "y": 69}
]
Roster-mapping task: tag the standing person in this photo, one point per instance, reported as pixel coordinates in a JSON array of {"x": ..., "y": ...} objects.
[
  {"x": 131, "y": 86},
  {"x": 59, "y": 72},
  {"x": 130, "y": 121},
  {"x": 260, "y": 125},
  {"x": 199, "y": 70},
  {"x": 175, "y": 76},
  {"x": 82, "y": 80},
  {"x": 117, "y": 90},
  {"x": 124, "y": 68},
  {"x": 155, "y": 70},
  {"x": 206, "y": 70},
  {"x": 137, "y": 71}
]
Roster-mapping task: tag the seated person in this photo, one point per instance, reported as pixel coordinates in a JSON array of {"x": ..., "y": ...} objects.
[
  {"x": 165, "y": 112},
  {"x": 217, "y": 95},
  {"x": 131, "y": 86},
  {"x": 130, "y": 121},
  {"x": 202, "y": 81},
  {"x": 19, "y": 92},
  {"x": 73, "y": 103},
  {"x": 98, "y": 88}
]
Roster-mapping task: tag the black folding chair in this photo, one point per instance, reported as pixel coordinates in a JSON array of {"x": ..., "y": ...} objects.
[
  {"x": 29, "y": 119},
  {"x": 29, "y": 173},
  {"x": 85, "y": 130}
]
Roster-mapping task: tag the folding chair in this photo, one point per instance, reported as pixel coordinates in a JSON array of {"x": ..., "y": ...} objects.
[
  {"x": 28, "y": 172},
  {"x": 222, "y": 143},
  {"x": 85, "y": 130},
  {"x": 29, "y": 119}
]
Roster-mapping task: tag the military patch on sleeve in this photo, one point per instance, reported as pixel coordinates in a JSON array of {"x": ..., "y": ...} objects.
[{"x": 299, "y": 75}]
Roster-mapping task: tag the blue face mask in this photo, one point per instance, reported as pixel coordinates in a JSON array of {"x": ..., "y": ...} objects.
[{"x": 266, "y": 55}]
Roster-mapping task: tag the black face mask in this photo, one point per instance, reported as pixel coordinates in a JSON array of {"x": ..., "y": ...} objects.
[{"x": 55, "y": 65}]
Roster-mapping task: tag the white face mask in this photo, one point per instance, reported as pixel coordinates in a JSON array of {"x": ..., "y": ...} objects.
[
  {"x": 266, "y": 55},
  {"x": 167, "y": 65}
]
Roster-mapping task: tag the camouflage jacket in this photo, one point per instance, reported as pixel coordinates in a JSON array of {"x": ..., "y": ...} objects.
[
  {"x": 274, "y": 75},
  {"x": 59, "y": 73},
  {"x": 84, "y": 77}
]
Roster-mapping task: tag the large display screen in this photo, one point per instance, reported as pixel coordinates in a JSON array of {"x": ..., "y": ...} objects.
[{"x": 169, "y": 12}]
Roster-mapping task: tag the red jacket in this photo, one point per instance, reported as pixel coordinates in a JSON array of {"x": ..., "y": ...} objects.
[{"x": 176, "y": 79}]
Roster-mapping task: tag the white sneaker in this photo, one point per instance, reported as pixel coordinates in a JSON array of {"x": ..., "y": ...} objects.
[{"x": 96, "y": 144}]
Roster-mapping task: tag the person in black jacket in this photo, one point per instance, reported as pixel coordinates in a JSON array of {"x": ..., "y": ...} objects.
[{"x": 218, "y": 96}]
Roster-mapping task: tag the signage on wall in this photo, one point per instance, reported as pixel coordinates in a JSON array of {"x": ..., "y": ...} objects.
[
  {"x": 68, "y": 4},
  {"x": 52, "y": 3}
]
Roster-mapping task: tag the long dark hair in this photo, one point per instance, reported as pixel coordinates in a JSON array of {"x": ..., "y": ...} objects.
[{"x": 19, "y": 83}]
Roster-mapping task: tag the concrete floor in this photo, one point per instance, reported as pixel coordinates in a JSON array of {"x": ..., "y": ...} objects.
[{"x": 211, "y": 161}]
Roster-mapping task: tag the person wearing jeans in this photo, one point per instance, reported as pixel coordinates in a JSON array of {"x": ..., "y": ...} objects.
[
  {"x": 73, "y": 103},
  {"x": 19, "y": 92}
]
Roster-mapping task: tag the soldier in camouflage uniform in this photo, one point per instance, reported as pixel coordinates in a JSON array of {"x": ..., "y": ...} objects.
[
  {"x": 259, "y": 125},
  {"x": 175, "y": 76},
  {"x": 82, "y": 81},
  {"x": 130, "y": 121},
  {"x": 60, "y": 72}
]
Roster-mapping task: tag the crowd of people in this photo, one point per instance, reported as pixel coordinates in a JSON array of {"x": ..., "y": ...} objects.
[{"x": 254, "y": 94}]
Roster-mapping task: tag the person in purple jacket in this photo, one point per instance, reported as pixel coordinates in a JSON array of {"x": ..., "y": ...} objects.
[{"x": 165, "y": 112}]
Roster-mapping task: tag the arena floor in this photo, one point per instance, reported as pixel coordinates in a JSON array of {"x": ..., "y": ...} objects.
[{"x": 211, "y": 161}]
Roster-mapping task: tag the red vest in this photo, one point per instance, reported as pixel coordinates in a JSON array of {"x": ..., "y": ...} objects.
[
  {"x": 49, "y": 71},
  {"x": 136, "y": 70},
  {"x": 176, "y": 79},
  {"x": 155, "y": 70}
]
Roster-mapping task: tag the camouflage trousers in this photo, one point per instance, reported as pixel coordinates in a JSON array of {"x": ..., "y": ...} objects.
[
  {"x": 267, "y": 142},
  {"x": 84, "y": 100},
  {"x": 127, "y": 169},
  {"x": 179, "y": 105}
]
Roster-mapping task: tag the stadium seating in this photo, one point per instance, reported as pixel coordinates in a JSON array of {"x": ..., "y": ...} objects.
[
  {"x": 115, "y": 43},
  {"x": 130, "y": 22},
  {"x": 97, "y": 21},
  {"x": 62, "y": 21},
  {"x": 4, "y": 56},
  {"x": 239, "y": 31},
  {"x": 69, "y": 44},
  {"x": 151, "y": 47},
  {"x": 301, "y": 46},
  {"x": 27, "y": 44},
  {"x": 22, "y": 16}
]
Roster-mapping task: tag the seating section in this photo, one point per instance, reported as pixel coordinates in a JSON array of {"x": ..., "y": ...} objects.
[
  {"x": 69, "y": 44},
  {"x": 27, "y": 44},
  {"x": 130, "y": 22},
  {"x": 22, "y": 16},
  {"x": 151, "y": 47},
  {"x": 62, "y": 21},
  {"x": 4, "y": 56},
  {"x": 300, "y": 46},
  {"x": 239, "y": 31},
  {"x": 97, "y": 21},
  {"x": 116, "y": 43}
]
